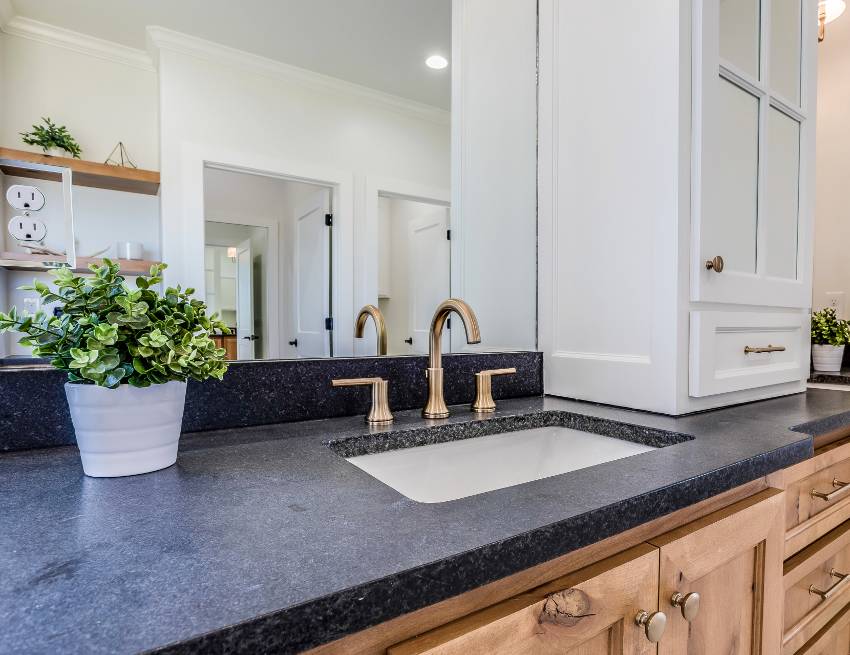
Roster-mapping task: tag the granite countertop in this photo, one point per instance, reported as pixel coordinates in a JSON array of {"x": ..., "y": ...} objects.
[{"x": 265, "y": 540}]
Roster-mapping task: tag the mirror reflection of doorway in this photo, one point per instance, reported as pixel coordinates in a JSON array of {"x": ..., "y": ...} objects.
[{"x": 414, "y": 273}]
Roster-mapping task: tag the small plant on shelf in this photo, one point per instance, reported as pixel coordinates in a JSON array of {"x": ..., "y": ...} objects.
[
  {"x": 128, "y": 353},
  {"x": 51, "y": 137},
  {"x": 829, "y": 336}
]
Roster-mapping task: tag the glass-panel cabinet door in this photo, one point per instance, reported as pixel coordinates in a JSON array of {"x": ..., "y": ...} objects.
[{"x": 753, "y": 87}]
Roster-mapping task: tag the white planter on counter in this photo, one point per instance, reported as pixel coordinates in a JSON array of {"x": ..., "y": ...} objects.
[
  {"x": 126, "y": 431},
  {"x": 827, "y": 359}
]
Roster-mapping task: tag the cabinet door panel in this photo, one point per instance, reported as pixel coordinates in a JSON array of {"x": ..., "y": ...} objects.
[
  {"x": 785, "y": 51},
  {"x": 740, "y": 34},
  {"x": 733, "y": 559},
  {"x": 613, "y": 591},
  {"x": 782, "y": 195}
]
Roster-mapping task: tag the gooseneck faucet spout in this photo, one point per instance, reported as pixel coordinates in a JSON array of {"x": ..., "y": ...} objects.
[
  {"x": 436, "y": 405},
  {"x": 380, "y": 326}
]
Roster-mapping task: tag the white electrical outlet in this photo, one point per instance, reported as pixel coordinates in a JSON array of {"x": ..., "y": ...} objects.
[
  {"x": 835, "y": 299},
  {"x": 24, "y": 197},
  {"x": 27, "y": 228}
]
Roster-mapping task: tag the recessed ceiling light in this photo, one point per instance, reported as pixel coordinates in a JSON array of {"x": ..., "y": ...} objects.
[{"x": 437, "y": 62}]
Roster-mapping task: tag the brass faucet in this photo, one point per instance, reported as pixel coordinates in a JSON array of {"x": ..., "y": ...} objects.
[
  {"x": 380, "y": 326},
  {"x": 436, "y": 405}
]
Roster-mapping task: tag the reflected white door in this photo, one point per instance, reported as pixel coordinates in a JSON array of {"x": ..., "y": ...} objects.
[
  {"x": 429, "y": 275},
  {"x": 312, "y": 276},
  {"x": 244, "y": 301}
]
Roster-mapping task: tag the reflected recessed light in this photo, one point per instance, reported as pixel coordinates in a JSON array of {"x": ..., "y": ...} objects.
[{"x": 436, "y": 62}]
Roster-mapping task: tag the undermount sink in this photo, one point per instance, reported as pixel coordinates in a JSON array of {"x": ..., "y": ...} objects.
[{"x": 460, "y": 466}]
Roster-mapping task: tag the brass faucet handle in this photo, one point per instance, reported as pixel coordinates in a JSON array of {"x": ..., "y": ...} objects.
[
  {"x": 379, "y": 413},
  {"x": 484, "y": 389}
]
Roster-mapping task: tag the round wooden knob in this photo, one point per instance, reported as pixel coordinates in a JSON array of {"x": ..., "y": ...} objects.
[
  {"x": 687, "y": 603},
  {"x": 653, "y": 624},
  {"x": 715, "y": 264}
]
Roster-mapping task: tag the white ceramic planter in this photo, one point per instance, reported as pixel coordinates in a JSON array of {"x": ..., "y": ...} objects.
[
  {"x": 827, "y": 359},
  {"x": 126, "y": 431},
  {"x": 55, "y": 152}
]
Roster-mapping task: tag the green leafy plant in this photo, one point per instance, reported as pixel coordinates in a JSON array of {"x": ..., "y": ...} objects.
[
  {"x": 828, "y": 329},
  {"x": 109, "y": 334},
  {"x": 50, "y": 135}
]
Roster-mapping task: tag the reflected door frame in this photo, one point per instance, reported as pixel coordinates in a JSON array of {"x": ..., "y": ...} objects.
[
  {"x": 183, "y": 221},
  {"x": 366, "y": 240},
  {"x": 270, "y": 264}
]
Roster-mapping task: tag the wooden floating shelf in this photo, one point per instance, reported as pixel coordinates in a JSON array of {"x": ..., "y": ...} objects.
[
  {"x": 128, "y": 266},
  {"x": 85, "y": 173}
]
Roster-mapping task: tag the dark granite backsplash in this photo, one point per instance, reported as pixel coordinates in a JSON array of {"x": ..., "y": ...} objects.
[{"x": 34, "y": 412}]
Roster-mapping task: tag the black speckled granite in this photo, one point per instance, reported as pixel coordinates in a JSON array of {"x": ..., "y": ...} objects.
[
  {"x": 264, "y": 392},
  {"x": 842, "y": 377},
  {"x": 379, "y": 439},
  {"x": 264, "y": 540}
]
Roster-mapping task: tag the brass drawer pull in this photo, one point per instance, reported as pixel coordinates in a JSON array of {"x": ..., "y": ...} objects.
[
  {"x": 653, "y": 624},
  {"x": 763, "y": 349},
  {"x": 835, "y": 589},
  {"x": 842, "y": 488}
]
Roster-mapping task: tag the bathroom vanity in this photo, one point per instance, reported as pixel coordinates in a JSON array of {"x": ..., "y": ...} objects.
[{"x": 265, "y": 539}]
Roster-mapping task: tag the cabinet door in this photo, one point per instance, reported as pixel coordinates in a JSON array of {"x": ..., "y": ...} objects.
[
  {"x": 753, "y": 127},
  {"x": 590, "y": 612},
  {"x": 733, "y": 560}
]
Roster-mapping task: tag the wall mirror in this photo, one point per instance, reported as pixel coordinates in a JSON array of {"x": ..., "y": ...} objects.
[{"x": 295, "y": 162}]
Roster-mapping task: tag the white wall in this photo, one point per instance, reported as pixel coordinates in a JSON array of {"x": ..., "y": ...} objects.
[
  {"x": 101, "y": 102},
  {"x": 494, "y": 158},
  {"x": 832, "y": 213}
]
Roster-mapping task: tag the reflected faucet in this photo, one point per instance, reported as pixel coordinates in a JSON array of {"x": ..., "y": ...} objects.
[
  {"x": 436, "y": 405},
  {"x": 380, "y": 326}
]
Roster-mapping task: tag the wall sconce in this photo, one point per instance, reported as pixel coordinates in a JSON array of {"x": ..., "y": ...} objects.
[
  {"x": 828, "y": 11},
  {"x": 231, "y": 252}
]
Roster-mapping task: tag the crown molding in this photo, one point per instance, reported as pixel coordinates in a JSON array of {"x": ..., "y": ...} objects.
[
  {"x": 27, "y": 28},
  {"x": 161, "y": 38}
]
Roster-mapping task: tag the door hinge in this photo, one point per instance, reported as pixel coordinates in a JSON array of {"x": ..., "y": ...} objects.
[
  {"x": 329, "y": 323},
  {"x": 329, "y": 219},
  {"x": 448, "y": 235}
]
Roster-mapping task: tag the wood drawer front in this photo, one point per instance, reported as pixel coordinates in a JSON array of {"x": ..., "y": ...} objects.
[
  {"x": 719, "y": 364},
  {"x": 832, "y": 639},
  {"x": 806, "y": 613},
  {"x": 615, "y": 588},
  {"x": 808, "y": 517}
]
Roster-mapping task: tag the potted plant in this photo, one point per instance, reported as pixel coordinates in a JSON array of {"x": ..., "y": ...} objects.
[
  {"x": 128, "y": 354},
  {"x": 829, "y": 336},
  {"x": 54, "y": 140}
]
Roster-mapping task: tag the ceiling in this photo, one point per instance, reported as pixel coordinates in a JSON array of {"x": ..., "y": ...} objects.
[{"x": 381, "y": 44}]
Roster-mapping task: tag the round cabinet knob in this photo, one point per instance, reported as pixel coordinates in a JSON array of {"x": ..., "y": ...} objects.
[
  {"x": 653, "y": 624},
  {"x": 687, "y": 603},
  {"x": 715, "y": 264}
]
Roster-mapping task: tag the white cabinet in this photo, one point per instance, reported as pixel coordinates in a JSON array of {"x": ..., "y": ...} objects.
[{"x": 684, "y": 135}]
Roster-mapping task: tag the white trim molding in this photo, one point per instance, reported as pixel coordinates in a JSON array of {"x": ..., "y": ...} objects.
[
  {"x": 27, "y": 28},
  {"x": 161, "y": 38}
]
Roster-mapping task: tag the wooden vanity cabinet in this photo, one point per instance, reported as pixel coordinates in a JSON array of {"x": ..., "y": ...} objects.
[
  {"x": 591, "y": 611},
  {"x": 732, "y": 558}
]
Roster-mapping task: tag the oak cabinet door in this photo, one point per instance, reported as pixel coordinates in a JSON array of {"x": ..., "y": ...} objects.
[
  {"x": 589, "y": 612},
  {"x": 733, "y": 560}
]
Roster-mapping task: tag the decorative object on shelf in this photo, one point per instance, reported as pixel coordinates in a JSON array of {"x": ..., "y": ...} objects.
[
  {"x": 123, "y": 159},
  {"x": 829, "y": 336},
  {"x": 52, "y": 139},
  {"x": 128, "y": 354},
  {"x": 129, "y": 250},
  {"x": 828, "y": 11}
]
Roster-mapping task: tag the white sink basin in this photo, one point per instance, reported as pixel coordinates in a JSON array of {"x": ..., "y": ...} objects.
[{"x": 457, "y": 469}]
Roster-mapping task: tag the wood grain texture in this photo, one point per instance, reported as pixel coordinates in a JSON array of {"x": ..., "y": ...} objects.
[
  {"x": 733, "y": 559},
  {"x": 805, "y": 614},
  {"x": 376, "y": 640},
  {"x": 832, "y": 639},
  {"x": 616, "y": 589},
  {"x": 808, "y": 518},
  {"x": 85, "y": 173}
]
